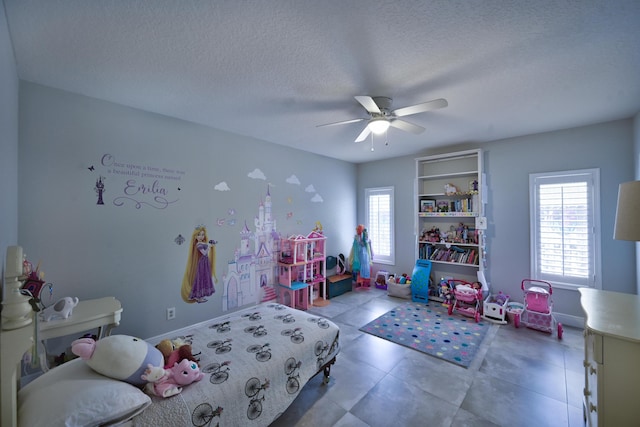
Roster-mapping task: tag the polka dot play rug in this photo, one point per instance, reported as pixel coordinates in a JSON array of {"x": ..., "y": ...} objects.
[{"x": 429, "y": 329}]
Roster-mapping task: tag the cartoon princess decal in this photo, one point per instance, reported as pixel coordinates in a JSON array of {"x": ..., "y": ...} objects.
[{"x": 197, "y": 283}]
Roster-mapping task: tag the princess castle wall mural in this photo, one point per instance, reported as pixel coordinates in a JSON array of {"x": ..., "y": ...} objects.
[{"x": 252, "y": 274}]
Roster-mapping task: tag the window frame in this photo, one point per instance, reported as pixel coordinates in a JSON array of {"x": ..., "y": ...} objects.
[
  {"x": 592, "y": 178},
  {"x": 368, "y": 193}
]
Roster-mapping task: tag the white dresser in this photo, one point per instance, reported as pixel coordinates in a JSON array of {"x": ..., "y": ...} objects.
[{"x": 612, "y": 358}]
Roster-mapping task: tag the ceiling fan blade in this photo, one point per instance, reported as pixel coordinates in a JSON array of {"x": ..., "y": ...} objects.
[
  {"x": 344, "y": 122},
  {"x": 369, "y": 104},
  {"x": 364, "y": 134},
  {"x": 421, "y": 108},
  {"x": 406, "y": 126}
]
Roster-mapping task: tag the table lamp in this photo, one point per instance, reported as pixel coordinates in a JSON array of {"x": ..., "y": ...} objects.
[{"x": 627, "y": 226}]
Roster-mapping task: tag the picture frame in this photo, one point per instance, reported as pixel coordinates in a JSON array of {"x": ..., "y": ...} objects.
[
  {"x": 442, "y": 206},
  {"x": 427, "y": 205}
]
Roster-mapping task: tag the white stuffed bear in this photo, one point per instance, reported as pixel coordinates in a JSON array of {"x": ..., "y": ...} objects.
[
  {"x": 61, "y": 309},
  {"x": 122, "y": 357}
]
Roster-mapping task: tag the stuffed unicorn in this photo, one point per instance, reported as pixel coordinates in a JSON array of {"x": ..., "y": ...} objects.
[{"x": 121, "y": 357}]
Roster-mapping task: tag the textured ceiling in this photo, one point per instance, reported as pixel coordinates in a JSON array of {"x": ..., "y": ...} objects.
[{"x": 274, "y": 70}]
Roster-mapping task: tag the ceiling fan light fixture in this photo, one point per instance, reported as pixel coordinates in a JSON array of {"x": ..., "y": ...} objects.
[{"x": 379, "y": 126}]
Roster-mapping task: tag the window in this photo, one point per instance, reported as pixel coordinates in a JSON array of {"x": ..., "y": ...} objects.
[
  {"x": 379, "y": 222},
  {"x": 565, "y": 228}
]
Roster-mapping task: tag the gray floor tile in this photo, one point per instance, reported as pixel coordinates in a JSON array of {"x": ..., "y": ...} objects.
[
  {"x": 388, "y": 404},
  {"x": 505, "y": 403},
  {"x": 519, "y": 377}
]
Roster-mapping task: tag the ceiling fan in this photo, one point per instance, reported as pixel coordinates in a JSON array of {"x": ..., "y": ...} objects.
[{"x": 381, "y": 116}]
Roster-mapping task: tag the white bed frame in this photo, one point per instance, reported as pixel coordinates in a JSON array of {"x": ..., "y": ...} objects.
[
  {"x": 14, "y": 344},
  {"x": 16, "y": 336}
]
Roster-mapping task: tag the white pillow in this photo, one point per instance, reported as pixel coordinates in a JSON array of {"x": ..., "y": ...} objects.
[{"x": 75, "y": 395}]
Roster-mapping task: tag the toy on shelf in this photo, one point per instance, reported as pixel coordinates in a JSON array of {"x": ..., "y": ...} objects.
[{"x": 62, "y": 309}]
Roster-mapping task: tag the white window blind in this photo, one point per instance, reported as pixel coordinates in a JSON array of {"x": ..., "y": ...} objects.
[
  {"x": 565, "y": 227},
  {"x": 379, "y": 223}
]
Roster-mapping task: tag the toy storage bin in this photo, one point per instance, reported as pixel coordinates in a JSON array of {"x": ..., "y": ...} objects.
[
  {"x": 400, "y": 290},
  {"x": 514, "y": 309},
  {"x": 339, "y": 284},
  {"x": 493, "y": 310}
]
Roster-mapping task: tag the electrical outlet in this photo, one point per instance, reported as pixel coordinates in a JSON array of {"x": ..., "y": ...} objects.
[{"x": 171, "y": 313}]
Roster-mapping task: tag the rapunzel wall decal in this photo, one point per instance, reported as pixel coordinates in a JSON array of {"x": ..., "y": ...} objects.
[{"x": 200, "y": 272}]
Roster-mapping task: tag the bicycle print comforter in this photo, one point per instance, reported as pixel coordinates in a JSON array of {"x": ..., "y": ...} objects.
[{"x": 255, "y": 361}]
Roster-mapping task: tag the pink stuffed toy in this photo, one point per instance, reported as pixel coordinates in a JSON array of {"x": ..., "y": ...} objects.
[{"x": 169, "y": 382}]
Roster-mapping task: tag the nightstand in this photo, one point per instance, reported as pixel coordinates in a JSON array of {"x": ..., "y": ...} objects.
[
  {"x": 102, "y": 313},
  {"x": 612, "y": 352}
]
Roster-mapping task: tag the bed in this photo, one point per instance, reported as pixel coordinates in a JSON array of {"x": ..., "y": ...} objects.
[{"x": 255, "y": 360}]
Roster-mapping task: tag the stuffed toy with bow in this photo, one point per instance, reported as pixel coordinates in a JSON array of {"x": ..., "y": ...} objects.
[
  {"x": 174, "y": 351},
  {"x": 169, "y": 382}
]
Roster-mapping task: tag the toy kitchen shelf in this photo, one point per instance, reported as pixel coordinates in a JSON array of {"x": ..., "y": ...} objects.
[{"x": 450, "y": 195}]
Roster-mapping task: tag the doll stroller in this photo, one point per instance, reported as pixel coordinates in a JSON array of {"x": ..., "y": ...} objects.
[
  {"x": 538, "y": 307},
  {"x": 467, "y": 299}
]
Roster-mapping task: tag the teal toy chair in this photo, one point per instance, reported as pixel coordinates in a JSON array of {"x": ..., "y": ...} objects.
[{"x": 420, "y": 281}]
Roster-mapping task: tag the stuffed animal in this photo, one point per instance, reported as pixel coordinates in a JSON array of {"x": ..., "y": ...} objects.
[
  {"x": 174, "y": 351},
  {"x": 121, "y": 357},
  {"x": 61, "y": 309},
  {"x": 169, "y": 382}
]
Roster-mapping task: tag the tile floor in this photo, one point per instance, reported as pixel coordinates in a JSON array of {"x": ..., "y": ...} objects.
[{"x": 520, "y": 377}]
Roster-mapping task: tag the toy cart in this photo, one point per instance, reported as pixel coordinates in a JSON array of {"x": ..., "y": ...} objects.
[
  {"x": 466, "y": 301},
  {"x": 538, "y": 307}
]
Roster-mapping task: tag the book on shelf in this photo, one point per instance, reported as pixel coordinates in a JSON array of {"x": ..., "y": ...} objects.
[{"x": 454, "y": 254}]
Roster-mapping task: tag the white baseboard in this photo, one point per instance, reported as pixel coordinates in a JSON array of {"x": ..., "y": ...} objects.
[{"x": 569, "y": 320}]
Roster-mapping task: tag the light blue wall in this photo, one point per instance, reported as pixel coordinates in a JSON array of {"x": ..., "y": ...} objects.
[
  {"x": 636, "y": 156},
  {"x": 126, "y": 249},
  {"x": 8, "y": 142},
  {"x": 508, "y": 163},
  {"x": 129, "y": 252}
]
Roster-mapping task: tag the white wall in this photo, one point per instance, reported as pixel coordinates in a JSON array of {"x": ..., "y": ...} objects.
[
  {"x": 508, "y": 163},
  {"x": 126, "y": 246},
  {"x": 8, "y": 142}
]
